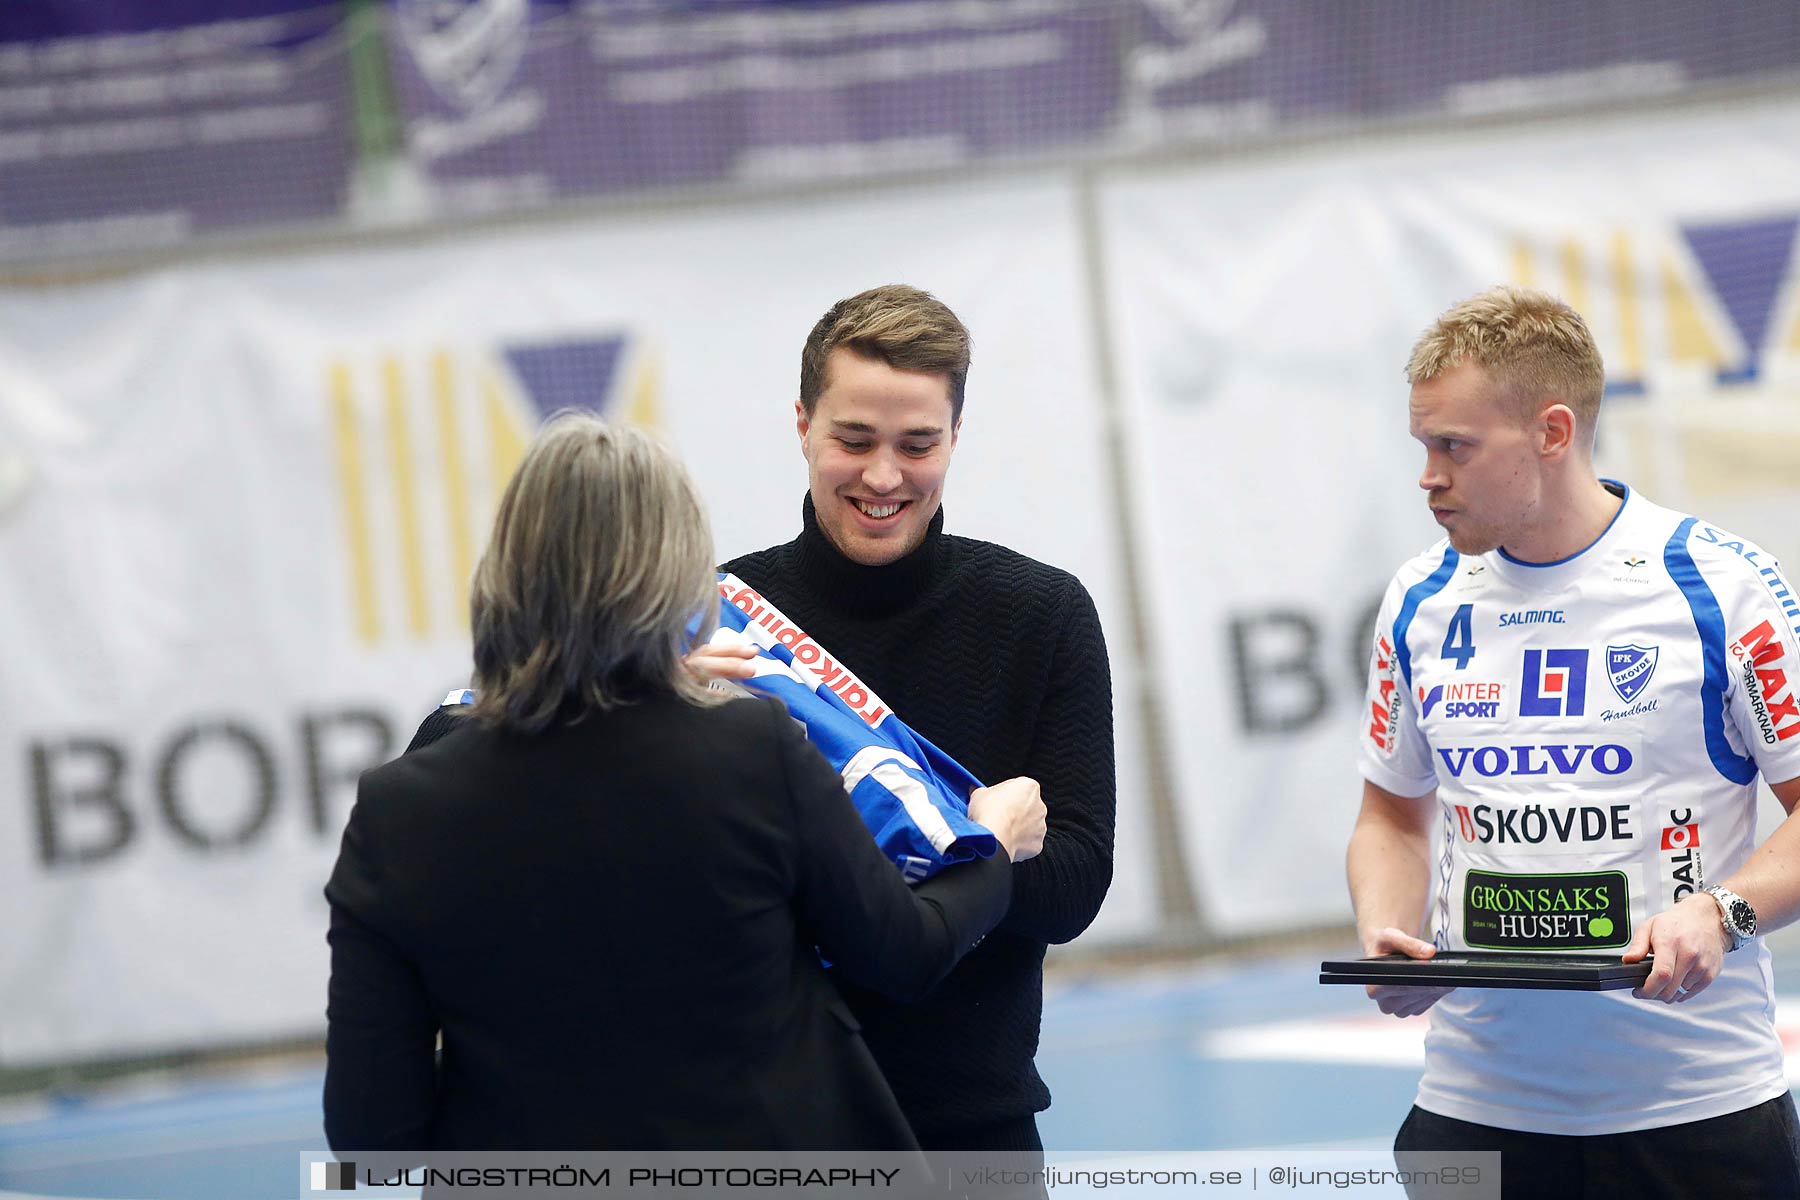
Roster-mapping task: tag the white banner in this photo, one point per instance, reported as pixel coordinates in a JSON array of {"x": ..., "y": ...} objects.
[
  {"x": 239, "y": 504},
  {"x": 1263, "y": 316}
]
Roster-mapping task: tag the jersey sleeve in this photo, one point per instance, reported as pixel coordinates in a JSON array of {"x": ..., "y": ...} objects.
[
  {"x": 1761, "y": 632},
  {"x": 1391, "y": 748}
]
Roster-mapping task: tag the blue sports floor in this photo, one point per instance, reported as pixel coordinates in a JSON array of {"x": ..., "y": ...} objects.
[{"x": 1232, "y": 1054}]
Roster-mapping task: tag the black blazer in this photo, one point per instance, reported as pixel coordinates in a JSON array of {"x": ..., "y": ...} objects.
[{"x": 613, "y": 926}]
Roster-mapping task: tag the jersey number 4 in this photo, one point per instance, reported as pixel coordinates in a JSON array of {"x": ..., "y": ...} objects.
[{"x": 1459, "y": 641}]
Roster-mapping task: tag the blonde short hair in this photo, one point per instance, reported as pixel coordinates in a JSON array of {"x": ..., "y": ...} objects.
[
  {"x": 600, "y": 559},
  {"x": 905, "y": 328},
  {"x": 1535, "y": 349}
]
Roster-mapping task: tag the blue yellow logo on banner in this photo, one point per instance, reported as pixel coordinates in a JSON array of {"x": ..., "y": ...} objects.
[
  {"x": 1717, "y": 297},
  {"x": 424, "y": 443}
]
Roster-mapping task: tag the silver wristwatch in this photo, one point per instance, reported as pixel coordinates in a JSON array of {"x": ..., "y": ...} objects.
[{"x": 1736, "y": 914}]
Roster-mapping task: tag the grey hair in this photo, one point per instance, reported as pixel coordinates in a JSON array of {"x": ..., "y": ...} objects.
[{"x": 600, "y": 558}]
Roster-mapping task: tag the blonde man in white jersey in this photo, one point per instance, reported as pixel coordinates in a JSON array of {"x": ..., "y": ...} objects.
[{"x": 1571, "y": 698}]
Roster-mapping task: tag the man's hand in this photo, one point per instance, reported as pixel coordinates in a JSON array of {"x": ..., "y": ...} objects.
[
  {"x": 722, "y": 660},
  {"x": 1389, "y": 864},
  {"x": 1689, "y": 942},
  {"x": 1406, "y": 1000},
  {"x": 1014, "y": 810}
]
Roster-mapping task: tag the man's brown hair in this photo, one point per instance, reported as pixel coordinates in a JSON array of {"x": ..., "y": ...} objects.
[
  {"x": 905, "y": 328},
  {"x": 1534, "y": 348}
]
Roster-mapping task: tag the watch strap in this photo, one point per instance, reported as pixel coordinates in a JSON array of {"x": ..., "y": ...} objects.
[{"x": 1735, "y": 913}]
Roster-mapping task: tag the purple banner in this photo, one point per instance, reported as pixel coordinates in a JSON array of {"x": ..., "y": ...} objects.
[
  {"x": 510, "y": 102},
  {"x": 1256, "y": 67},
  {"x": 125, "y": 125},
  {"x": 43, "y": 20},
  {"x": 507, "y": 102}
]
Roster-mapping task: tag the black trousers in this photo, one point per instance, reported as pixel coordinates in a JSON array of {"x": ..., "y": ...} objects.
[{"x": 1748, "y": 1155}]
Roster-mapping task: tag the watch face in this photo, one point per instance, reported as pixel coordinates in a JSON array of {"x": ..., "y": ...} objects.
[{"x": 1743, "y": 916}]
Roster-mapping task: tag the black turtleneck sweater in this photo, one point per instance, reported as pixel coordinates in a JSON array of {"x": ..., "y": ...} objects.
[{"x": 999, "y": 660}]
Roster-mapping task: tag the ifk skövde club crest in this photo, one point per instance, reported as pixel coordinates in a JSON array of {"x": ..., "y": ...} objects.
[{"x": 1629, "y": 669}]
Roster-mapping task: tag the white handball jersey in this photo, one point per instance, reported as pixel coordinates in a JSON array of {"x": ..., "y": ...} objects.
[{"x": 1593, "y": 729}]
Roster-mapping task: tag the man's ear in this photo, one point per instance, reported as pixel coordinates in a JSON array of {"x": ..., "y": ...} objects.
[
  {"x": 1556, "y": 426},
  {"x": 801, "y": 423}
]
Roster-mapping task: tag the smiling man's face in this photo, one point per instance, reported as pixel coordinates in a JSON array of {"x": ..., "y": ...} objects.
[{"x": 877, "y": 445}]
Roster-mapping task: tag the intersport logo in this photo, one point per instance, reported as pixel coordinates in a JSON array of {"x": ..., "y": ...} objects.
[{"x": 1480, "y": 701}]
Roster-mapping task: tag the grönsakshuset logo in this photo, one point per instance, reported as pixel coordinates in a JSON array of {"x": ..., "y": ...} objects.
[{"x": 1581, "y": 911}]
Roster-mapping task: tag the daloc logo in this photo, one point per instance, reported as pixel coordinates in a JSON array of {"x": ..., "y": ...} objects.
[
  {"x": 1681, "y": 837},
  {"x": 1629, "y": 669}
]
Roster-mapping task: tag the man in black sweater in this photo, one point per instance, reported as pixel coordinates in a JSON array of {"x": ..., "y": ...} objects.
[{"x": 996, "y": 658}]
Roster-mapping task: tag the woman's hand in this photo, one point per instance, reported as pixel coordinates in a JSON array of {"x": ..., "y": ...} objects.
[{"x": 722, "y": 660}]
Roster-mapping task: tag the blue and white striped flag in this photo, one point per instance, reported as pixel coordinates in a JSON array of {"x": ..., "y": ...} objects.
[{"x": 913, "y": 797}]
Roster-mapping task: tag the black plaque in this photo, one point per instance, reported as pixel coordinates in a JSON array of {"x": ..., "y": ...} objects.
[{"x": 1491, "y": 969}]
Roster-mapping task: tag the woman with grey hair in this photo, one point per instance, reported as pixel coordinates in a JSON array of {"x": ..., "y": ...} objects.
[{"x": 606, "y": 893}]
